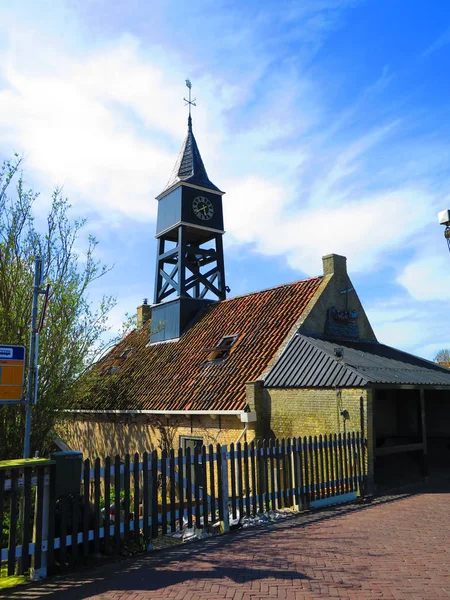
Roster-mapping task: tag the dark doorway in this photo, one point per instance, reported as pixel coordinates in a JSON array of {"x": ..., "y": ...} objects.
[
  {"x": 398, "y": 434},
  {"x": 437, "y": 418}
]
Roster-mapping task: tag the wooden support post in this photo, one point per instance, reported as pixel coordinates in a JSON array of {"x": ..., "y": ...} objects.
[
  {"x": 225, "y": 524},
  {"x": 181, "y": 264},
  {"x": 159, "y": 266},
  {"x": 368, "y": 433},
  {"x": 220, "y": 267},
  {"x": 424, "y": 462}
]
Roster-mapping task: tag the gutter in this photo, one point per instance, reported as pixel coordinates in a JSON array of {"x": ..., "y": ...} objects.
[
  {"x": 245, "y": 417},
  {"x": 241, "y": 435},
  {"x": 157, "y": 412}
]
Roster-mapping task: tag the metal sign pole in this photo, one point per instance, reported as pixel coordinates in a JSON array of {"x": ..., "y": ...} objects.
[{"x": 32, "y": 358}]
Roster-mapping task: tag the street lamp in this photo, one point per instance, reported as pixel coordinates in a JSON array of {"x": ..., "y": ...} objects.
[{"x": 444, "y": 219}]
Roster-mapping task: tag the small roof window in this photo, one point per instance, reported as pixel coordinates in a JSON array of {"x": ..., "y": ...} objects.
[
  {"x": 222, "y": 349},
  {"x": 126, "y": 352}
]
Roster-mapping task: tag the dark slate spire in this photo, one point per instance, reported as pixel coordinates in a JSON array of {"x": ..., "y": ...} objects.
[{"x": 189, "y": 167}]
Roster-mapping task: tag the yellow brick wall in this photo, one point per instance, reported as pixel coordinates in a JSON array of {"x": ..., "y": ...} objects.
[
  {"x": 315, "y": 411},
  {"x": 126, "y": 434},
  {"x": 282, "y": 413},
  {"x": 288, "y": 413}
]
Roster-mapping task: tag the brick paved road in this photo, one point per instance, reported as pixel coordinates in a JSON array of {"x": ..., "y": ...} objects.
[{"x": 396, "y": 548}]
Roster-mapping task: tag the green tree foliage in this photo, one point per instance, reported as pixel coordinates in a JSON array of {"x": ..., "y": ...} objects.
[
  {"x": 74, "y": 327},
  {"x": 443, "y": 356}
]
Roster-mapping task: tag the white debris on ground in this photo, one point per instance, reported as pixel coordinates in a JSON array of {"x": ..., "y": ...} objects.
[{"x": 190, "y": 534}]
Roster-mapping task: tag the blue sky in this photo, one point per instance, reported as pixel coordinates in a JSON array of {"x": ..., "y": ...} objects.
[{"x": 325, "y": 121}]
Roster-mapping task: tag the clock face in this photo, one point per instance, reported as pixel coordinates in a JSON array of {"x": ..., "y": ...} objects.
[{"x": 203, "y": 208}]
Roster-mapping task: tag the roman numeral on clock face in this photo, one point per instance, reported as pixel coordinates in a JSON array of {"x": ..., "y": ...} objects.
[{"x": 203, "y": 208}]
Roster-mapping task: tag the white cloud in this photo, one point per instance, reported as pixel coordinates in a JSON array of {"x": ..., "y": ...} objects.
[
  {"x": 107, "y": 125},
  {"x": 401, "y": 334},
  {"x": 387, "y": 312},
  {"x": 71, "y": 126},
  {"x": 427, "y": 278},
  {"x": 260, "y": 212},
  {"x": 326, "y": 191},
  {"x": 430, "y": 350},
  {"x": 404, "y": 322},
  {"x": 105, "y": 118},
  {"x": 439, "y": 43}
]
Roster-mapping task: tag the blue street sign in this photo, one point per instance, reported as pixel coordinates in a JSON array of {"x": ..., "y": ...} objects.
[{"x": 12, "y": 353}]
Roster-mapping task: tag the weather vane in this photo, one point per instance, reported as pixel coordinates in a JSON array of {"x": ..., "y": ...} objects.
[{"x": 189, "y": 102}]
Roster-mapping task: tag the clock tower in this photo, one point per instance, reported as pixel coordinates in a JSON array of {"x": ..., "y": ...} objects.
[{"x": 189, "y": 257}]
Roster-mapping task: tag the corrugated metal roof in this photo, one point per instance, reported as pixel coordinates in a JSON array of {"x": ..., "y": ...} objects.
[{"x": 311, "y": 361}]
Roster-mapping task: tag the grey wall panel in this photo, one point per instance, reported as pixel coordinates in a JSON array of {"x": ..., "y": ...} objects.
[{"x": 169, "y": 211}]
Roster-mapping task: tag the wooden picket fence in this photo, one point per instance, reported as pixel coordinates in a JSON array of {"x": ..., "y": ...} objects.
[{"x": 128, "y": 503}]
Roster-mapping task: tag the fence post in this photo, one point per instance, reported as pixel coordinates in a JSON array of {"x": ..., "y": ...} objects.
[
  {"x": 42, "y": 517},
  {"x": 296, "y": 469},
  {"x": 225, "y": 524}
]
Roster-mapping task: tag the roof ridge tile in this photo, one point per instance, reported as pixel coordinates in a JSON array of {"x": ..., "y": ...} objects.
[{"x": 275, "y": 287}]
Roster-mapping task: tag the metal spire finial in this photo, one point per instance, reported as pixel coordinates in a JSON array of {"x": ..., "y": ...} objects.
[{"x": 189, "y": 102}]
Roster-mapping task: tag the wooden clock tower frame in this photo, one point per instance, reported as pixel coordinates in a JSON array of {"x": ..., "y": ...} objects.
[{"x": 190, "y": 269}]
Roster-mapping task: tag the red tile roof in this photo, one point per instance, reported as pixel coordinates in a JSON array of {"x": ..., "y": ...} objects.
[{"x": 177, "y": 375}]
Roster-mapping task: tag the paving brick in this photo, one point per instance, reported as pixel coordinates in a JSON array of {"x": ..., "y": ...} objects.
[{"x": 396, "y": 548}]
